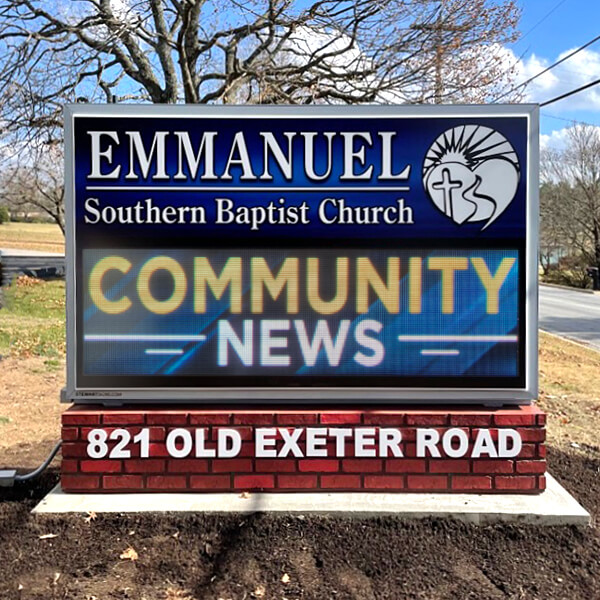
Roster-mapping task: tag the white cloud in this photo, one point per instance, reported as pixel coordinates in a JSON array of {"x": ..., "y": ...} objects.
[
  {"x": 575, "y": 72},
  {"x": 555, "y": 140}
]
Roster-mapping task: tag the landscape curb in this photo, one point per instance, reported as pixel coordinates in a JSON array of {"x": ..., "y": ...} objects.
[{"x": 555, "y": 506}]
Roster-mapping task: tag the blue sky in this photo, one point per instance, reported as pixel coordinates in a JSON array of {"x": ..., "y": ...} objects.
[{"x": 550, "y": 29}]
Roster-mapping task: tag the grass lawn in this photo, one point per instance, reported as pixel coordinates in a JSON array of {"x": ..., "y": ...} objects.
[
  {"x": 32, "y": 321},
  {"x": 32, "y": 236}
]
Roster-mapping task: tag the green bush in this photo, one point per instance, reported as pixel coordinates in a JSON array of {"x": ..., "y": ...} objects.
[{"x": 4, "y": 215}]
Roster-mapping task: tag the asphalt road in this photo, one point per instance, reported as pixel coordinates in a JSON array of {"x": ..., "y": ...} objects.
[{"x": 575, "y": 315}]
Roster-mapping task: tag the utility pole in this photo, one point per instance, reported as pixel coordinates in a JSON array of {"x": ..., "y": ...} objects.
[
  {"x": 438, "y": 28},
  {"x": 439, "y": 57}
]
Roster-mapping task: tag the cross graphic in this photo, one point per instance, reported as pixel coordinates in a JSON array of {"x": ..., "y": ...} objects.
[{"x": 447, "y": 185}]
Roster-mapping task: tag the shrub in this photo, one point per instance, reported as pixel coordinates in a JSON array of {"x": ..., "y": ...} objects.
[
  {"x": 4, "y": 215},
  {"x": 570, "y": 271}
]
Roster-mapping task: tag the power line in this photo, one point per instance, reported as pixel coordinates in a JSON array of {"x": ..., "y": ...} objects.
[
  {"x": 543, "y": 19},
  {"x": 572, "y": 92},
  {"x": 558, "y": 62},
  {"x": 572, "y": 121}
]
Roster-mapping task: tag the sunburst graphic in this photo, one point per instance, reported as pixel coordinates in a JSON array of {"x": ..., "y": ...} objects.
[{"x": 471, "y": 174}]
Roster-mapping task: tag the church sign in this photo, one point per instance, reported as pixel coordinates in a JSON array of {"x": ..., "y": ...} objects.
[{"x": 301, "y": 253}]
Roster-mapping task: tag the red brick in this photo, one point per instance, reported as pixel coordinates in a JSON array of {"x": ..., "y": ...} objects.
[
  {"x": 307, "y": 418},
  {"x": 69, "y": 465},
  {"x": 383, "y": 482},
  {"x": 541, "y": 450},
  {"x": 80, "y": 482},
  {"x": 100, "y": 466},
  {"x": 528, "y": 451},
  {"x": 76, "y": 418},
  {"x": 361, "y": 465},
  {"x": 427, "y": 420},
  {"x": 471, "y": 482},
  {"x": 85, "y": 432},
  {"x": 253, "y": 482},
  {"x": 74, "y": 450},
  {"x": 300, "y": 482},
  {"x": 404, "y": 465},
  {"x": 157, "y": 434},
  {"x": 410, "y": 450},
  {"x": 541, "y": 419},
  {"x": 246, "y": 433},
  {"x": 449, "y": 466},
  {"x": 533, "y": 435},
  {"x": 187, "y": 465},
  {"x": 165, "y": 418},
  {"x": 209, "y": 419},
  {"x": 471, "y": 420},
  {"x": 166, "y": 482},
  {"x": 426, "y": 482},
  {"x": 210, "y": 482},
  {"x": 232, "y": 465},
  {"x": 318, "y": 465},
  {"x": 275, "y": 465},
  {"x": 69, "y": 434},
  {"x": 531, "y": 466},
  {"x": 158, "y": 450},
  {"x": 246, "y": 451},
  {"x": 541, "y": 482},
  {"x": 491, "y": 430},
  {"x": 409, "y": 434},
  {"x": 493, "y": 466},
  {"x": 123, "y": 482},
  {"x": 123, "y": 418},
  {"x": 340, "y": 418},
  {"x": 253, "y": 419},
  {"x": 331, "y": 448},
  {"x": 383, "y": 419},
  {"x": 279, "y": 436},
  {"x": 145, "y": 465},
  {"x": 514, "y": 418},
  {"x": 515, "y": 482},
  {"x": 340, "y": 481}
]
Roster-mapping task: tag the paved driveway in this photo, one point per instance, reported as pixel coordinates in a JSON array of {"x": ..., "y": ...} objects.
[{"x": 572, "y": 314}]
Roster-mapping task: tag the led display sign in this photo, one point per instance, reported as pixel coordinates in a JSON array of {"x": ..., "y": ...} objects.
[{"x": 301, "y": 253}]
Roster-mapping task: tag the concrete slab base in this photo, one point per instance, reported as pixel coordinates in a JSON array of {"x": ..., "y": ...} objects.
[{"x": 555, "y": 506}]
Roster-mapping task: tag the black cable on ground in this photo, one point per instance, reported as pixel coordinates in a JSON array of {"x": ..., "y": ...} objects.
[{"x": 42, "y": 467}]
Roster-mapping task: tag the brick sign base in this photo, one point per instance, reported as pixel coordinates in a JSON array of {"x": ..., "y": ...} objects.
[{"x": 124, "y": 470}]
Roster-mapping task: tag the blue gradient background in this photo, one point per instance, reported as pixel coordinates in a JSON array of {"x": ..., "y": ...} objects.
[
  {"x": 401, "y": 358},
  {"x": 413, "y": 139},
  {"x": 432, "y": 234}
]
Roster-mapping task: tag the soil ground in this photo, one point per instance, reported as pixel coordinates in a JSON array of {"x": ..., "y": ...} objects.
[
  {"x": 193, "y": 557},
  {"x": 261, "y": 556}
]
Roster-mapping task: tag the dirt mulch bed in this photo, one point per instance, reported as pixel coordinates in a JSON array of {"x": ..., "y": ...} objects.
[{"x": 194, "y": 557}]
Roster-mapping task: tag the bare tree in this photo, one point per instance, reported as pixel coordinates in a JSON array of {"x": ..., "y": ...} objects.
[
  {"x": 264, "y": 51},
  {"x": 468, "y": 61},
  {"x": 38, "y": 186},
  {"x": 574, "y": 174},
  {"x": 228, "y": 51},
  {"x": 555, "y": 228}
]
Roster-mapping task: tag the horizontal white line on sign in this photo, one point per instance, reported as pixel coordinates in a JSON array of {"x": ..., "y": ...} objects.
[
  {"x": 109, "y": 337},
  {"x": 440, "y": 352},
  {"x": 168, "y": 351},
  {"x": 458, "y": 338},
  {"x": 200, "y": 188}
]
